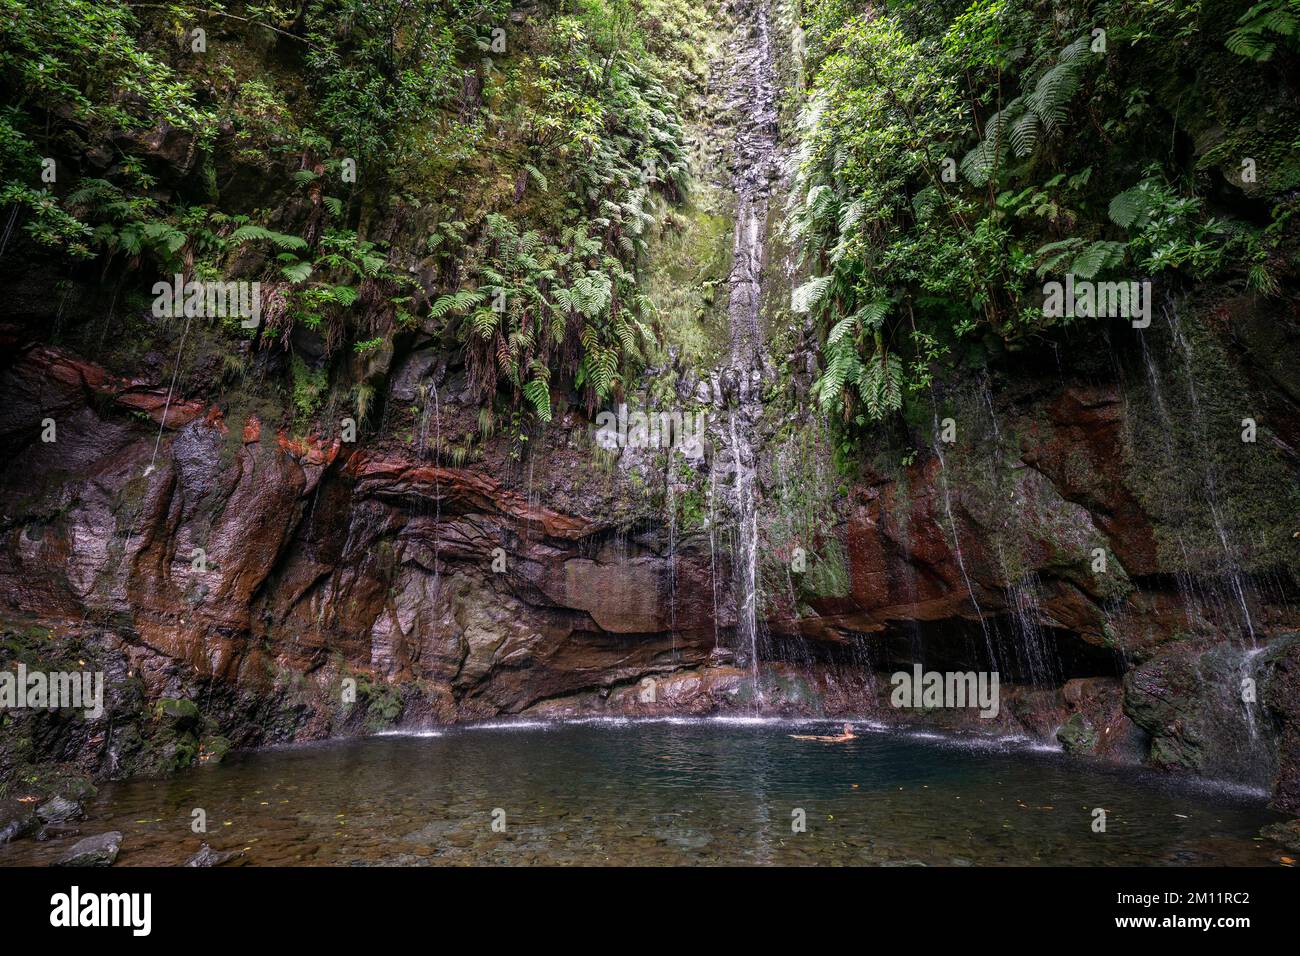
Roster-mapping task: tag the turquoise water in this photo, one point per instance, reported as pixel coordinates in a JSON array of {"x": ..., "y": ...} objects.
[{"x": 672, "y": 792}]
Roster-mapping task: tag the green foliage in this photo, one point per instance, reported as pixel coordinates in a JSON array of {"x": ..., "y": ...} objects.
[
  {"x": 1261, "y": 28},
  {"x": 955, "y": 159},
  {"x": 537, "y": 275},
  {"x": 385, "y": 70},
  {"x": 309, "y": 387},
  {"x": 77, "y": 59}
]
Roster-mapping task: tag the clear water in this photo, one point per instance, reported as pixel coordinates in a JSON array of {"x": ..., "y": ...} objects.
[{"x": 672, "y": 792}]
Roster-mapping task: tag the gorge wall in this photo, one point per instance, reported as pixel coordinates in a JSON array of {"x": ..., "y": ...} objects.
[{"x": 1097, "y": 531}]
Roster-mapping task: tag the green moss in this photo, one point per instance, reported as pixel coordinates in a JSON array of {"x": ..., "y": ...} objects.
[
  {"x": 309, "y": 388},
  {"x": 1190, "y": 468},
  {"x": 384, "y": 703}
]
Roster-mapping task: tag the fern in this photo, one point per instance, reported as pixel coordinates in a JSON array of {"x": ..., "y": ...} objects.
[
  {"x": 1054, "y": 254},
  {"x": 538, "y": 392},
  {"x": 1260, "y": 28},
  {"x": 344, "y": 295},
  {"x": 1128, "y": 208},
  {"x": 880, "y": 385},
  {"x": 484, "y": 323},
  {"x": 1017, "y": 126},
  {"x": 536, "y": 175},
  {"x": 842, "y": 328},
  {"x": 456, "y": 302},
  {"x": 872, "y": 315},
  {"x": 297, "y": 272},
  {"x": 805, "y": 298},
  {"x": 280, "y": 240},
  {"x": 1096, "y": 257}
]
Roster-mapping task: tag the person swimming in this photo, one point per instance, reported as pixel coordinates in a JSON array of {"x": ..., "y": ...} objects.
[{"x": 848, "y": 734}]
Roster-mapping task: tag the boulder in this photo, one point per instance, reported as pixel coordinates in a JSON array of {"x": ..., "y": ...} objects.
[
  {"x": 98, "y": 850},
  {"x": 60, "y": 810},
  {"x": 21, "y": 823}
]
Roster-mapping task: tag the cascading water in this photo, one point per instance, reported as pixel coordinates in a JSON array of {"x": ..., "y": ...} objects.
[
  {"x": 1206, "y": 605},
  {"x": 1235, "y": 578},
  {"x": 956, "y": 540},
  {"x": 752, "y": 101}
]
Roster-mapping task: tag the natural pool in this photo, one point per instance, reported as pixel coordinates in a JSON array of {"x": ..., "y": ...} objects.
[{"x": 672, "y": 792}]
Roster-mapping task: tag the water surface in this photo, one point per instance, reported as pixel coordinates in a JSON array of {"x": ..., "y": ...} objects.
[{"x": 672, "y": 792}]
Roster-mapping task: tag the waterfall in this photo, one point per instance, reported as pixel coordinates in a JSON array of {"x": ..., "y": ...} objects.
[
  {"x": 1207, "y": 489},
  {"x": 956, "y": 542},
  {"x": 752, "y": 97},
  {"x": 422, "y": 453},
  {"x": 1234, "y": 573}
]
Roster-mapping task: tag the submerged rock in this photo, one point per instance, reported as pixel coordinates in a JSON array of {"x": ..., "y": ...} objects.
[
  {"x": 98, "y": 850},
  {"x": 210, "y": 857}
]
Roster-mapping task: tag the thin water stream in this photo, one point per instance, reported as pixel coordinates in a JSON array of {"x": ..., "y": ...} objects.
[{"x": 752, "y": 104}]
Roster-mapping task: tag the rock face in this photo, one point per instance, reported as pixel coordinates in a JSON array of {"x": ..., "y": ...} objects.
[{"x": 257, "y": 588}]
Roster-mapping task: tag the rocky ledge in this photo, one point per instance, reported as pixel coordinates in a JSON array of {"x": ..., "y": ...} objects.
[{"x": 240, "y": 586}]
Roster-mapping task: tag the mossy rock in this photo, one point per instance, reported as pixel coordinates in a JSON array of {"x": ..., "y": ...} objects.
[
  {"x": 1078, "y": 736},
  {"x": 1287, "y": 834},
  {"x": 213, "y": 749},
  {"x": 182, "y": 714}
]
